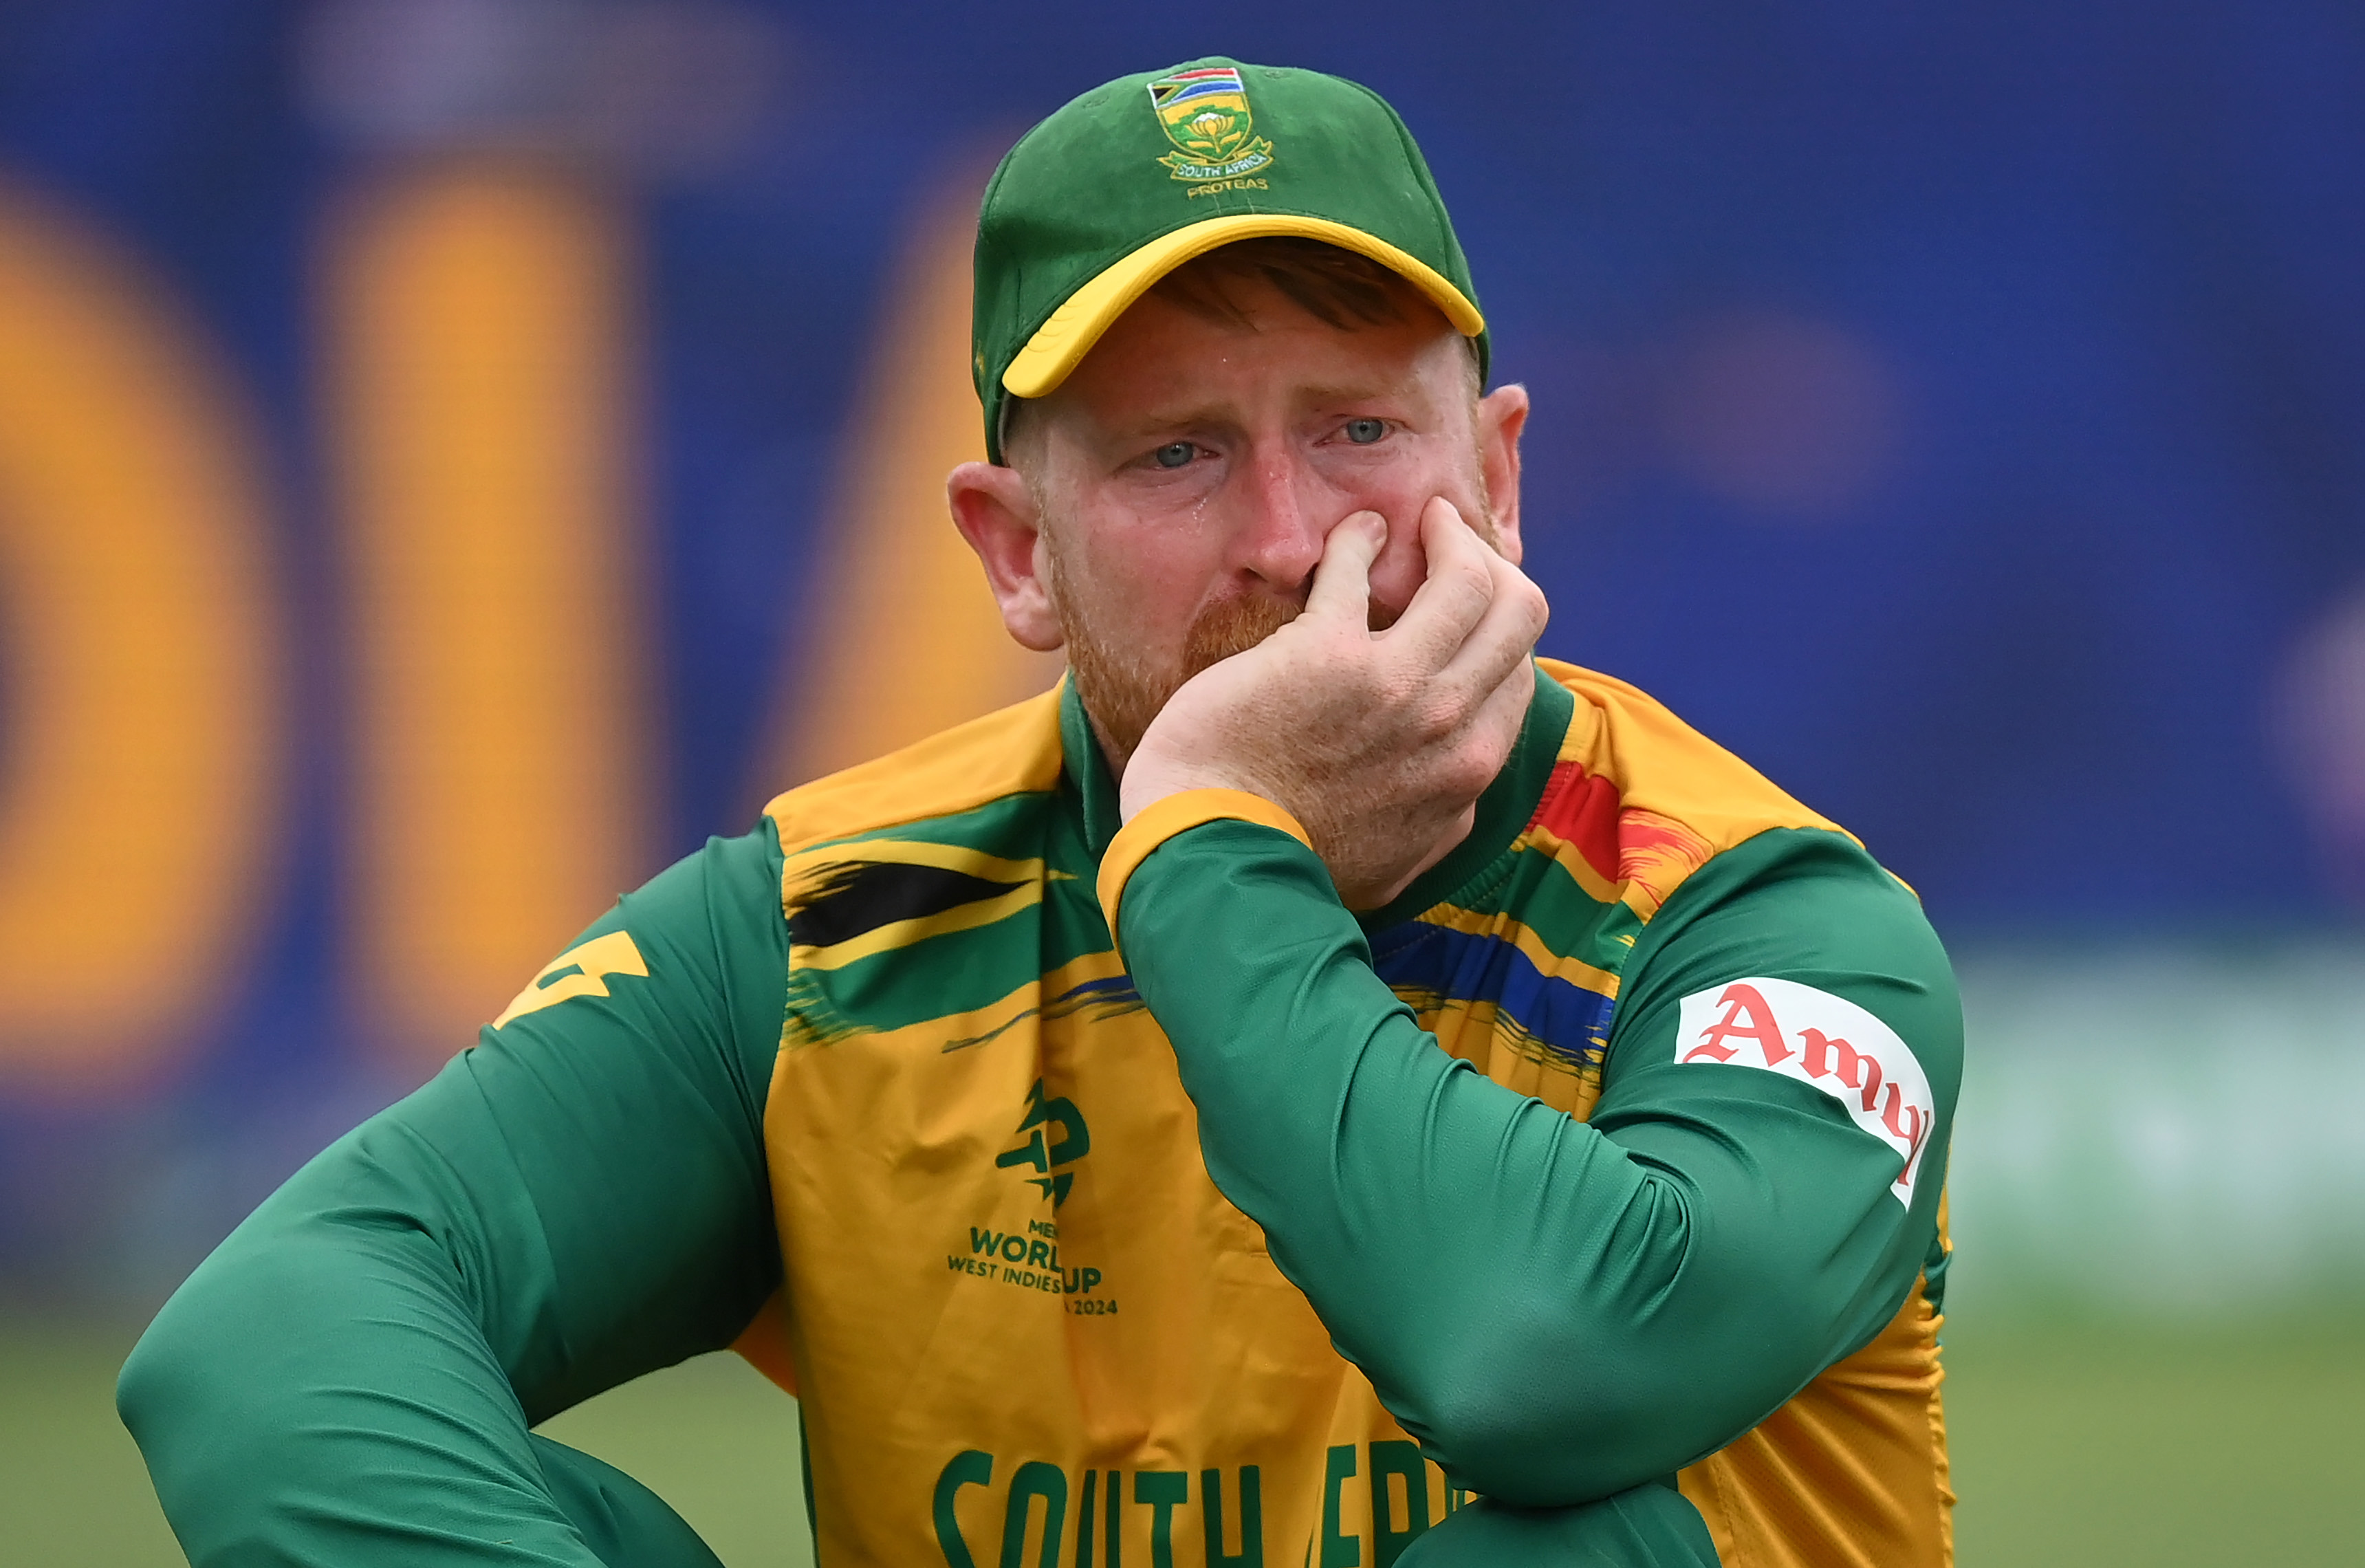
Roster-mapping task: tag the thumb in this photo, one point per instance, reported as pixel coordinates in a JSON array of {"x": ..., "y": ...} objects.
[{"x": 1342, "y": 579}]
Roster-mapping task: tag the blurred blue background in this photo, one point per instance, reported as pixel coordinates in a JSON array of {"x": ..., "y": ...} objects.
[
  {"x": 456, "y": 455},
  {"x": 1956, "y": 414}
]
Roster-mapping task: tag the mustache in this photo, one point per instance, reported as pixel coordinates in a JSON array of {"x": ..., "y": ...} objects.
[
  {"x": 1233, "y": 626},
  {"x": 1237, "y": 624}
]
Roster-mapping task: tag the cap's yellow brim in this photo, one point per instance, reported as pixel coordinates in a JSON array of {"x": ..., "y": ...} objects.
[{"x": 1061, "y": 343}]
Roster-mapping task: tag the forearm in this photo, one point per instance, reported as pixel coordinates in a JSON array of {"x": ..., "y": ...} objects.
[{"x": 1556, "y": 1318}]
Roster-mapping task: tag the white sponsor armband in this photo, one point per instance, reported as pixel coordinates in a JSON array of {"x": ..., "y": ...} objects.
[{"x": 1779, "y": 1025}]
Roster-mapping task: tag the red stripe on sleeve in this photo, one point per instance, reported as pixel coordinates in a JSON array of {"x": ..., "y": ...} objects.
[{"x": 1581, "y": 808}]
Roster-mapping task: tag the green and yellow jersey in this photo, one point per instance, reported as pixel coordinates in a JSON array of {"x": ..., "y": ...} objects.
[{"x": 1610, "y": 1153}]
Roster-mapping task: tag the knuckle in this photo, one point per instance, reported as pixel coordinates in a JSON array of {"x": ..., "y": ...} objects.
[
  {"x": 1468, "y": 773},
  {"x": 1392, "y": 688},
  {"x": 1438, "y": 715}
]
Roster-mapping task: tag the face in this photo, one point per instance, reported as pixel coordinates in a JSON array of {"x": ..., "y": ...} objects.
[{"x": 1167, "y": 504}]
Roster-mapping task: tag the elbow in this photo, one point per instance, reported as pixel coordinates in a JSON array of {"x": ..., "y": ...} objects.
[
  {"x": 150, "y": 1390},
  {"x": 167, "y": 1398},
  {"x": 203, "y": 1395},
  {"x": 161, "y": 1398},
  {"x": 213, "y": 1458},
  {"x": 1551, "y": 1402},
  {"x": 1545, "y": 1421},
  {"x": 136, "y": 1391}
]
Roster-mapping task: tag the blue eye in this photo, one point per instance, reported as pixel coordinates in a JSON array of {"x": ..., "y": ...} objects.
[
  {"x": 1174, "y": 454},
  {"x": 1362, "y": 432}
]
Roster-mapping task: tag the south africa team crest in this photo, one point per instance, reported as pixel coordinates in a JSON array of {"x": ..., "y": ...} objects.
[{"x": 1205, "y": 115}]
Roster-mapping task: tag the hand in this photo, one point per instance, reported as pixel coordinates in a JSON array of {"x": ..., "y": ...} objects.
[{"x": 1379, "y": 744}]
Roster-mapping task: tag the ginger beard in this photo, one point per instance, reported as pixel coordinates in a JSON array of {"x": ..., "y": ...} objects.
[{"x": 1124, "y": 685}]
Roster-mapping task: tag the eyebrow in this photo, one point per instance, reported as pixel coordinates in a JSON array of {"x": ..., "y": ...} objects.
[
  {"x": 1185, "y": 418},
  {"x": 1346, "y": 394}
]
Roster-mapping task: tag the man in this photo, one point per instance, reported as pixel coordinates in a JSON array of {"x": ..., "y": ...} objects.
[{"x": 1322, "y": 1086}]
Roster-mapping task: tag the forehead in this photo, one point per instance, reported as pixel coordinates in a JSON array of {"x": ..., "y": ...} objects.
[{"x": 1166, "y": 359}]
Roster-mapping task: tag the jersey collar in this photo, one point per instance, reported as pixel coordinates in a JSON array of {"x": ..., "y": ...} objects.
[
  {"x": 1504, "y": 810},
  {"x": 1088, "y": 770}
]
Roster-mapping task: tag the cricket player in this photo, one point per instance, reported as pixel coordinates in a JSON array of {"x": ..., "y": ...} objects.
[{"x": 1322, "y": 1086}]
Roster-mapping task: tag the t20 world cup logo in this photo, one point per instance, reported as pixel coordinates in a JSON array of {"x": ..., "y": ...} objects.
[{"x": 1205, "y": 115}]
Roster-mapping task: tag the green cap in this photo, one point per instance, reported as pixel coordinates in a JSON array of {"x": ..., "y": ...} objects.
[{"x": 1137, "y": 176}]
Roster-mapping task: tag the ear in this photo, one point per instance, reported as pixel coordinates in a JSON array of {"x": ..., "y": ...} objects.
[
  {"x": 1502, "y": 415},
  {"x": 996, "y": 513}
]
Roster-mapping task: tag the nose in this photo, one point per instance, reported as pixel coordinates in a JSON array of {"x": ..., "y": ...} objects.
[{"x": 1281, "y": 523}]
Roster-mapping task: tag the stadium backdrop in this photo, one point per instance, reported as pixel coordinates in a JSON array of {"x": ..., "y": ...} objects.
[{"x": 456, "y": 454}]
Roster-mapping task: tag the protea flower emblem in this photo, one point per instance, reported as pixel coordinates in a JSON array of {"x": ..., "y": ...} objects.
[
  {"x": 1212, "y": 127},
  {"x": 1205, "y": 115}
]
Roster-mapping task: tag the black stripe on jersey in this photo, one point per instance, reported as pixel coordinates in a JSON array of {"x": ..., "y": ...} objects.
[{"x": 863, "y": 895}]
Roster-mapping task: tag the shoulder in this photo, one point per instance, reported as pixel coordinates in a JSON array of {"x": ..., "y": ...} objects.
[
  {"x": 1798, "y": 901},
  {"x": 1729, "y": 874},
  {"x": 1014, "y": 752},
  {"x": 1646, "y": 801},
  {"x": 945, "y": 835},
  {"x": 727, "y": 907},
  {"x": 1792, "y": 931}
]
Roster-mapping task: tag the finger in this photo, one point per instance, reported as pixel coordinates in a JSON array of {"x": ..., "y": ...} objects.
[
  {"x": 1341, "y": 590},
  {"x": 1497, "y": 726},
  {"x": 1454, "y": 596},
  {"x": 1491, "y": 722},
  {"x": 1504, "y": 635}
]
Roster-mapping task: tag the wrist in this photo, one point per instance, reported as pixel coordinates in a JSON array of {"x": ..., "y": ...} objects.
[
  {"x": 1168, "y": 816},
  {"x": 1147, "y": 780}
]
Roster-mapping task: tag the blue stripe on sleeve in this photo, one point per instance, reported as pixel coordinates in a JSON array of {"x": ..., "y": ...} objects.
[{"x": 1569, "y": 1020}]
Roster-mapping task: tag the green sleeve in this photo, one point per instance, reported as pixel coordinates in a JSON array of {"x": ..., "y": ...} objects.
[
  {"x": 1812, "y": 908},
  {"x": 579, "y": 1199},
  {"x": 1557, "y": 1310}
]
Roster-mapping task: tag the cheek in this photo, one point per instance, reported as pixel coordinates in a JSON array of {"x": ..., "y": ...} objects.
[
  {"x": 1398, "y": 575},
  {"x": 1399, "y": 493},
  {"x": 1143, "y": 584},
  {"x": 1402, "y": 564}
]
